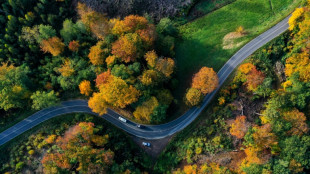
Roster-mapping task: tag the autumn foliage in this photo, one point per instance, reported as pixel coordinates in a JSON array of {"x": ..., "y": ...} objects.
[
  {"x": 165, "y": 66},
  {"x": 127, "y": 47},
  {"x": 85, "y": 87},
  {"x": 250, "y": 76},
  {"x": 298, "y": 121},
  {"x": 97, "y": 53},
  {"x": 103, "y": 78},
  {"x": 66, "y": 69},
  {"x": 205, "y": 80},
  {"x": 239, "y": 127},
  {"x": 299, "y": 62},
  {"x": 79, "y": 149},
  {"x": 115, "y": 93},
  {"x": 143, "y": 112},
  {"x": 53, "y": 45},
  {"x": 193, "y": 97},
  {"x": 74, "y": 46},
  {"x": 130, "y": 24},
  {"x": 151, "y": 57}
]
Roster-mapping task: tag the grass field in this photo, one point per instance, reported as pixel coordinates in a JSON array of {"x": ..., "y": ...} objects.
[{"x": 202, "y": 39}]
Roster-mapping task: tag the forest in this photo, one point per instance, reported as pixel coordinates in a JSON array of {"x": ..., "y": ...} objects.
[{"x": 127, "y": 60}]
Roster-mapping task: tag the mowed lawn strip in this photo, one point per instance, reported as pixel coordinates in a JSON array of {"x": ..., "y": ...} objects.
[{"x": 202, "y": 39}]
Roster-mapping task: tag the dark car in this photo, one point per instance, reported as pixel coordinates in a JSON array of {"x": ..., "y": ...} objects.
[{"x": 140, "y": 126}]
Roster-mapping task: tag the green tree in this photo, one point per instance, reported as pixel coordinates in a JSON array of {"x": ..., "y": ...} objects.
[
  {"x": 14, "y": 84},
  {"x": 120, "y": 71},
  {"x": 45, "y": 32},
  {"x": 297, "y": 148},
  {"x": 71, "y": 31},
  {"x": 42, "y": 99}
]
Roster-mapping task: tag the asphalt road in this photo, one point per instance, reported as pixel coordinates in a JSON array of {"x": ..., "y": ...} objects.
[{"x": 149, "y": 131}]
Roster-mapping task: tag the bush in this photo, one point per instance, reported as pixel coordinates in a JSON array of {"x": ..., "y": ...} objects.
[
  {"x": 31, "y": 152},
  {"x": 19, "y": 165}
]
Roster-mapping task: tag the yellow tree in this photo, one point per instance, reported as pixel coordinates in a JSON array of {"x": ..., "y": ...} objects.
[
  {"x": 205, "y": 80},
  {"x": 295, "y": 18},
  {"x": 98, "y": 104},
  {"x": 149, "y": 77},
  {"x": 53, "y": 45},
  {"x": 254, "y": 156},
  {"x": 143, "y": 112},
  {"x": 85, "y": 87},
  {"x": 111, "y": 60},
  {"x": 97, "y": 53},
  {"x": 116, "y": 93},
  {"x": 130, "y": 24},
  {"x": 193, "y": 97},
  {"x": 151, "y": 57},
  {"x": 66, "y": 69}
]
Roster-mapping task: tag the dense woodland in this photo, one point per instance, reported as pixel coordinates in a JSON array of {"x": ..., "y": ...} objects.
[{"x": 55, "y": 50}]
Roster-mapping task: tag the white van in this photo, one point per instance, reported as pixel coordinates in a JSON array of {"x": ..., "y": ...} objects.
[{"x": 122, "y": 119}]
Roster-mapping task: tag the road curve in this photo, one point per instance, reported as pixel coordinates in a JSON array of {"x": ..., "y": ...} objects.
[{"x": 150, "y": 131}]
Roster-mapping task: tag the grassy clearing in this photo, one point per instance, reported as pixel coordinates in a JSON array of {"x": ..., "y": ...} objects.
[{"x": 202, "y": 43}]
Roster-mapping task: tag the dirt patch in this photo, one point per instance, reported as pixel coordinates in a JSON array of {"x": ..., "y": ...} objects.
[
  {"x": 229, "y": 41},
  {"x": 157, "y": 146}
]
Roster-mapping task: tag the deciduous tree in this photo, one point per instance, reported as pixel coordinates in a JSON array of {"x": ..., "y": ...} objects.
[
  {"x": 66, "y": 69},
  {"x": 85, "y": 87},
  {"x": 127, "y": 47},
  {"x": 53, "y": 45},
  {"x": 205, "y": 80},
  {"x": 239, "y": 127},
  {"x": 149, "y": 77},
  {"x": 151, "y": 57},
  {"x": 98, "y": 53},
  {"x": 145, "y": 110},
  {"x": 74, "y": 46},
  {"x": 103, "y": 78},
  {"x": 298, "y": 121},
  {"x": 165, "y": 66},
  {"x": 130, "y": 24},
  {"x": 42, "y": 99},
  {"x": 193, "y": 97},
  {"x": 14, "y": 84}
]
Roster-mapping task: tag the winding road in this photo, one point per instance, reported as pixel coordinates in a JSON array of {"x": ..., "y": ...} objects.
[{"x": 149, "y": 131}]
